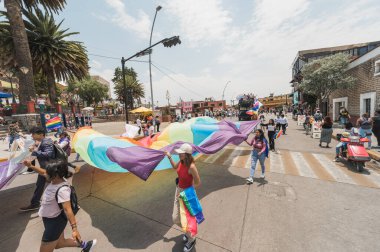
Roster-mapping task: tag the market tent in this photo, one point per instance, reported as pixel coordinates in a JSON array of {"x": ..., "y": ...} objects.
[
  {"x": 141, "y": 110},
  {"x": 88, "y": 109},
  {"x": 5, "y": 95}
]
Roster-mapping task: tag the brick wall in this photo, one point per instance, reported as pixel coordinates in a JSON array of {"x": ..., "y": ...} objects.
[{"x": 365, "y": 82}]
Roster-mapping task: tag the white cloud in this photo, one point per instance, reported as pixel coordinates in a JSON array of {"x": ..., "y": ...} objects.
[
  {"x": 139, "y": 25},
  {"x": 200, "y": 21},
  {"x": 269, "y": 44}
]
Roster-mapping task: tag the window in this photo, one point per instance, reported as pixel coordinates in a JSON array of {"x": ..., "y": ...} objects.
[
  {"x": 220, "y": 104},
  {"x": 367, "y": 106},
  {"x": 377, "y": 68}
]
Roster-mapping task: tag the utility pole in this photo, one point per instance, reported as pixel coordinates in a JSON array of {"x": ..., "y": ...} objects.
[{"x": 167, "y": 42}]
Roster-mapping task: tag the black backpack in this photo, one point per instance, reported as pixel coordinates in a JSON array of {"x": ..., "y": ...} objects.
[
  {"x": 60, "y": 154},
  {"x": 73, "y": 199},
  {"x": 366, "y": 124}
]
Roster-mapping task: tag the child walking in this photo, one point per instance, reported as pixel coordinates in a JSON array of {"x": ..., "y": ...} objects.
[
  {"x": 259, "y": 153},
  {"x": 271, "y": 127},
  {"x": 56, "y": 210}
]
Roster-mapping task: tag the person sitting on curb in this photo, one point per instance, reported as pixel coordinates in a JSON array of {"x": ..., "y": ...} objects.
[{"x": 365, "y": 128}]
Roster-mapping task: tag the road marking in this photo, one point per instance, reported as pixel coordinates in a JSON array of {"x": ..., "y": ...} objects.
[
  {"x": 213, "y": 157},
  {"x": 289, "y": 165},
  {"x": 317, "y": 167},
  {"x": 223, "y": 158},
  {"x": 276, "y": 163},
  {"x": 374, "y": 176},
  {"x": 358, "y": 178},
  {"x": 331, "y": 168},
  {"x": 234, "y": 155},
  {"x": 241, "y": 160},
  {"x": 303, "y": 167}
]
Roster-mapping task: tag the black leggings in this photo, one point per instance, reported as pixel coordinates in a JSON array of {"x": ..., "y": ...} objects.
[
  {"x": 376, "y": 132},
  {"x": 283, "y": 126},
  {"x": 271, "y": 139}
]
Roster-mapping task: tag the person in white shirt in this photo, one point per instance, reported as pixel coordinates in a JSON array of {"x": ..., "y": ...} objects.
[
  {"x": 138, "y": 122},
  {"x": 284, "y": 123},
  {"x": 150, "y": 129},
  {"x": 56, "y": 210}
]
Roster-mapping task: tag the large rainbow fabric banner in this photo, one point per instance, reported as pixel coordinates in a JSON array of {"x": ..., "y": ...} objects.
[
  {"x": 10, "y": 168},
  {"x": 53, "y": 123},
  {"x": 206, "y": 135}
]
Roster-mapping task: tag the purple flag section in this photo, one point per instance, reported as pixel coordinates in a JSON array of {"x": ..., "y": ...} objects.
[
  {"x": 8, "y": 172},
  {"x": 142, "y": 161},
  {"x": 139, "y": 160}
]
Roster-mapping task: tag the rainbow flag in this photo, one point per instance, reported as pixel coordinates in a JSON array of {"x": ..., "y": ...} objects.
[
  {"x": 54, "y": 123},
  {"x": 188, "y": 222},
  {"x": 278, "y": 134}
]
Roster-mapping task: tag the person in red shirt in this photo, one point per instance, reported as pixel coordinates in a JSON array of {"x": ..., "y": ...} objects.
[
  {"x": 187, "y": 176},
  {"x": 259, "y": 153}
]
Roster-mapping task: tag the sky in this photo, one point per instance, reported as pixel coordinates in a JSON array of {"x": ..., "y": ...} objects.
[{"x": 249, "y": 44}]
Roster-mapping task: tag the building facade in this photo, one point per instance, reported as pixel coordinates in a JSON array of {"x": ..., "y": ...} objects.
[
  {"x": 364, "y": 97},
  {"x": 104, "y": 82},
  {"x": 278, "y": 101},
  {"x": 306, "y": 56}
]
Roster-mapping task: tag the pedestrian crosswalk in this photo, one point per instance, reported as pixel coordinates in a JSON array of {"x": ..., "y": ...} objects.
[{"x": 305, "y": 164}]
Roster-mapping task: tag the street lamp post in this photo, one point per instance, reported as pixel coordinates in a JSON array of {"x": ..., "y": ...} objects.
[
  {"x": 167, "y": 42},
  {"x": 228, "y": 82},
  {"x": 150, "y": 57}
]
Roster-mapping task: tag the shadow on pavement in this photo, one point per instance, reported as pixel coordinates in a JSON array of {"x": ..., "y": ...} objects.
[
  {"x": 13, "y": 222},
  {"x": 135, "y": 214}
]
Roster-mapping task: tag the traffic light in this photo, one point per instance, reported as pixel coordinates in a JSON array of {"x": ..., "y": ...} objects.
[
  {"x": 173, "y": 41},
  {"x": 143, "y": 53}
]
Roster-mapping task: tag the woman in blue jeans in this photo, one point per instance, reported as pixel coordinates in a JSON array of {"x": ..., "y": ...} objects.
[{"x": 259, "y": 153}]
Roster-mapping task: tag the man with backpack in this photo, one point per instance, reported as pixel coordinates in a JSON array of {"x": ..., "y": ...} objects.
[
  {"x": 44, "y": 152},
  {"x": 365, "y": 128}
]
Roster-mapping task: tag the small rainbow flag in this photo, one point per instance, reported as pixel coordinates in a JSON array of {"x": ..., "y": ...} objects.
[
  {"x": 278, "y": 134},
  {"x": 54, "y": 123}
]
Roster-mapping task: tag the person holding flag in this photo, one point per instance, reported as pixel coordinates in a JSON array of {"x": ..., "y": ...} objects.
[{"x": 260, "y": 151}]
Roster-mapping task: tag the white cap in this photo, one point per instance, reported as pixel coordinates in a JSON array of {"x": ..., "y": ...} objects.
[{"x": 185, "y": 148}]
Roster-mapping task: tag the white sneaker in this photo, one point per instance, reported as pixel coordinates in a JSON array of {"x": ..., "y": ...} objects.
[
  {"x": 250, "y": 180},
  {"x": 262, "y": 175}
]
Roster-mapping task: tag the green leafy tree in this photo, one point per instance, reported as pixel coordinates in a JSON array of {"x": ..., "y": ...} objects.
[
  {"x": 53, "y": 55},
  {"x": 323, "y": 76},
  {"x": 135, "y": 89},
  {"x": 42, "y": 86},
  {"x": 89, "y": 90},
  {"x": 22, "y": 56}
]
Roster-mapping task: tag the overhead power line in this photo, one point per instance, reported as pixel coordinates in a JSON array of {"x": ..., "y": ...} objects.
[{"x": 176, "y": 81}]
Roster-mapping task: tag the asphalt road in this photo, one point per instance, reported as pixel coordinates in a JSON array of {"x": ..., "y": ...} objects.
[{"x": 306, "y": 203}]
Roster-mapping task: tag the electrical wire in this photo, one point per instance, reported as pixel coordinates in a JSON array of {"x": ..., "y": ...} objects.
[
  {"x": 176, "y": 81},
  {"x": 92, "y": 54}
]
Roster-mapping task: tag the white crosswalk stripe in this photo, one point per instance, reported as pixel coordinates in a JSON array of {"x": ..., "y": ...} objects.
[
  {"x": 305, "y": 164},
  {"x": 304, "y": 168},
  {"x": 276, "y": 163},
  {"x": 332, "y": 168}
]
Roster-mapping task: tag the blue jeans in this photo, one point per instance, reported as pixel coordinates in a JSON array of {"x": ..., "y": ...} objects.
[
  {"x": 343, "y": 120},
  {"x": 339, "y": 147},
  {"x": 256, "y": 157},
  {"x": 364, "y": 132},
  {"x": 12, "y": 139}
]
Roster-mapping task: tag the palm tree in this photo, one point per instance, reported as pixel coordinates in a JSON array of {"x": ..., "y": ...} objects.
[
  {"x": 20, "y": 40},
  {"x": 52, "y": 54}
]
